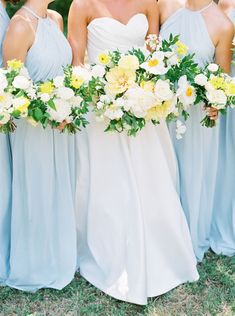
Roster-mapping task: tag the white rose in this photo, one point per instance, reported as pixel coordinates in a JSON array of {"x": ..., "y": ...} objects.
[
  {"x": 213, "y": 67},
  {"x": 62, "y": 112},
  {"x": 98, "y": 71},
  {"x": 58, "y": 81},
  {"x": 163, "y": 91},
  {"x": 24, "y": 72},
  {"x": 113, "y": 113},
  {"x": 99, "y": 105},
  {"x": 45, "y": 97},
  {"x": 21, "y": 82},
  {"x": 105, "y": 99},
  {"x": 217, "y": 98},
  {"x": 65, "y": 93},
  {"x": 201, "y": 80},
  {"x": 76, "y": 101},
  {"x": 3, "y": 81}
]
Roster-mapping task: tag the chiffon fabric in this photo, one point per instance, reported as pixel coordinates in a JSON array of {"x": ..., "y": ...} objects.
[
  {"x": 5, "y": 175},
  {"x": 223, "y": 221},
  {"x": 133, "y": 238},
  {"x": 43, "y": 235},
  {"x": 197, "y": 152}
]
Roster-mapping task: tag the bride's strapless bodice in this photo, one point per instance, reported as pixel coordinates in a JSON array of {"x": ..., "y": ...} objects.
[{"x": 105, "y": 34}]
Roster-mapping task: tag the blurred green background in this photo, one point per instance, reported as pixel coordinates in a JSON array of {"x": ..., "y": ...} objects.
[{"x": 62, "y": 6}]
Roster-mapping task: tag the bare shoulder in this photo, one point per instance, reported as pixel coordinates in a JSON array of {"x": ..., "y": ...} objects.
[
  {"x": 170, "y": 5},
  {"x": 82, "y": 6},
  {"x": 20, "y": 25},
  {"x": 222, "y": 22},
  {"x": 225, "y": 4}
]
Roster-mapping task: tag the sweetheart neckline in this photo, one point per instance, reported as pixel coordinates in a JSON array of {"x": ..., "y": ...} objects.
[{"x": 115, "y": 20}]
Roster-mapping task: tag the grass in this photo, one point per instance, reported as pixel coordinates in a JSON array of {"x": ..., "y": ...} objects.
[{"x": 213, "y": 295}]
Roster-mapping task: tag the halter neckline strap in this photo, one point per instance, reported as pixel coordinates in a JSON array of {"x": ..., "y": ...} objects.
[
  {"x": 203, "y": 9},
  {"x": 33, "y": 13}
]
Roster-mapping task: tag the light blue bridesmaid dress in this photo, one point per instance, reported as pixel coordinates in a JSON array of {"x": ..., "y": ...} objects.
[
  {"x": 5, "y": 176},
  {"x": 197, "y": 152},
  {"x": 223, "y": 220},
  {"x": 43, "y": 234}
]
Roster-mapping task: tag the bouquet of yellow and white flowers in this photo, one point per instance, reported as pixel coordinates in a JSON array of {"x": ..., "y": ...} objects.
[
  {"x": 215, "y": 89},
  {"x": 62, "y": 102},
  {"x": 16, "y": 91},
  {"x": 133, "y": 88}
]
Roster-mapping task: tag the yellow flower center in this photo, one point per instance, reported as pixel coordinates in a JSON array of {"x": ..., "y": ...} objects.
[
  {"x": 153, "y": 62},
  {"x": 2, "y": 98},
  {"x": 104, "y": 59},
  {"x": 189, "y": 92},
  {"x": 24, "y": 106},
  {"x": 77, "y": 82}
]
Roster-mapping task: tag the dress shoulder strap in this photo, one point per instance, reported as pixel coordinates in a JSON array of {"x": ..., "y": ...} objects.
[
  {"x": 206, "y": 7},
  {"x": 31, "y": 12}
]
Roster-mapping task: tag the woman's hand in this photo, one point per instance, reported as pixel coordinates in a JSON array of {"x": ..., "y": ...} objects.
[{"x": 213, "y": 113}]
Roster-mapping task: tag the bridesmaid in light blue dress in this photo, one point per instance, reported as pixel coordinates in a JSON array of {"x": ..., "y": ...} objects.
[
  {"x": 5, "y": 173},
  {"x": 197, "y": 152},
  {"x": 43, "y": 238},
  {"x": 223, "y": 222}
]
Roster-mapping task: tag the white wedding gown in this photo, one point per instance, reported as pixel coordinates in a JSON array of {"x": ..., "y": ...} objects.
[{"x": 133, "y": 240}]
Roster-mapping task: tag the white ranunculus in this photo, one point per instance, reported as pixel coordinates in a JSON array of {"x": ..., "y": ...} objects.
[
  {"x": 163, "y": 91},
  {"x": 201, "y": 80},
  {"x": 75, "y": 101},
  {"x": 113, "y": 112},
  {"x": 21, "y": 82},
  {"x": 4, "y": 117},
  {"x": 58, "y": 81},
  {"x": 213, "y": 67},
  {"x": 62, "y": 112},
  {"x": 98, "y": 71},
  {"x": 217, "y": 98},
  {"x": 24, "y": 72},
  {"x": 65, "y": 93},
  {"x": 3, "y": 81},
  {"x": 180, "y": 129},
  {"x": 100, "y": 105},
  {"x": 105, "y": 99},
  {"x": 45, "y": 97}
]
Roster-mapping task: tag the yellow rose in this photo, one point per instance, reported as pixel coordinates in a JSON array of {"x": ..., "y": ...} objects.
[
  {"x": 129, "y": 62},
  {"x": 218, "y": 83},
  {"x": 147, "y": 85},
  {"x": 159, "y": 111},
  {"x": 14, "y": 64},
  {"x": 46, "y": 87},
  {"x": 181, "y": 48},
  {"x": 230, "y": 89},
  {"x": 119, "y": 80},
  {"x": 104, "y": 58}
]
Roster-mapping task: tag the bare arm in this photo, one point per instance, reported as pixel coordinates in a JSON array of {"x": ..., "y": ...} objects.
[
  {"x": 153, "y": 17},
  {"x": 77, "y": 30},
  {"x": 223, "y": 55},
  {"x": 18, "y": 40}
]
